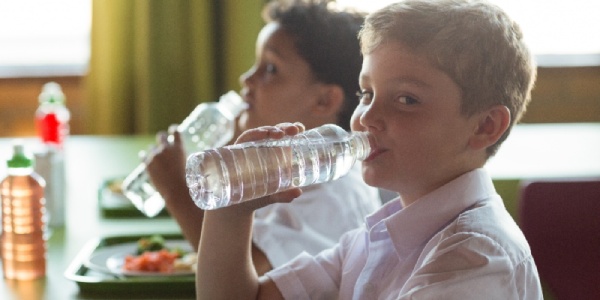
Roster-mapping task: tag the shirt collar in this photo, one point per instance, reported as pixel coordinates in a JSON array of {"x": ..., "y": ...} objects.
[{"x": 410, "y": 227}]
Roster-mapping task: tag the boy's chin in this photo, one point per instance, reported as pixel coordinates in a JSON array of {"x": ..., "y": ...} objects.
[
  {"x": 247, "y": 121},
  {"x": 370, "y": 177}
]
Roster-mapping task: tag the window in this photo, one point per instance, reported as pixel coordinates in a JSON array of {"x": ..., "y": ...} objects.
[
  {"x": 40, "y": 37},
  {"x": 558, "y": 32}
]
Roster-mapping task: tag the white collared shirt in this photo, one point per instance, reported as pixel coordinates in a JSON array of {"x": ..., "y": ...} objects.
[
  {"x": 316, "y": 220},
  {"x": 458, "y": 242}
]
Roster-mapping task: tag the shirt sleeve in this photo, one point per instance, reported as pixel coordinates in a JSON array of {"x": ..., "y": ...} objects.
[
  {"x": 303, "y": 278},
  {"x": 316, "y": 220},
  {"x": 315, "y": 277}
]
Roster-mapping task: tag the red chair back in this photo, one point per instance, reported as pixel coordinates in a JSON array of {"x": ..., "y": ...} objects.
[{"x": 561, "y": 221}]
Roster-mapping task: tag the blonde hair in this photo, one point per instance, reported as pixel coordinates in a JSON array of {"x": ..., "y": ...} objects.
[{"x": 472, "y": 41}]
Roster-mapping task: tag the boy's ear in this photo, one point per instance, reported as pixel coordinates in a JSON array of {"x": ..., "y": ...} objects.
[
  {"x": 331, "y": 99},
  {"x": 492, "y": 124}
]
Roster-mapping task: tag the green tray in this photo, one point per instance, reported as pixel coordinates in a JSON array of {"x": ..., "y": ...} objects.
[
  {"x": 100, "y": 284},
  {"x": 113, "y": 204}
]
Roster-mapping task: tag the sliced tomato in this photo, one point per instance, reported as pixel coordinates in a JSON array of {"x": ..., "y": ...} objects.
[{"x": 152, "y": 261}]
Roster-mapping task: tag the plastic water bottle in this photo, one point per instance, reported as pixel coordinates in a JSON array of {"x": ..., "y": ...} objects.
[
  {"x": 22, "y": 243},
  {"x": 209, "y": 125},
  {"x": 241, "y": 172},
  {"x": 52, "y": 122}
]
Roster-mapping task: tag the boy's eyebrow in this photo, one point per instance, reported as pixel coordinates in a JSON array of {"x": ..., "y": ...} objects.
[
  {"x": 412, "y": 80},
  {"x": 364, "y": 78},
  {"x": 273, "y": 50}
]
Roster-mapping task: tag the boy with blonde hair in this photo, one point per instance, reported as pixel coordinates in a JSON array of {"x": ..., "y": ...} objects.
[{"x": 442, "y": 84}]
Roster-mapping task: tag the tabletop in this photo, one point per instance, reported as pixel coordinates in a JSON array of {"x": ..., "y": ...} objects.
[
  {"x": 89, "y": 161},
  {"x": 531, "y": 151}
]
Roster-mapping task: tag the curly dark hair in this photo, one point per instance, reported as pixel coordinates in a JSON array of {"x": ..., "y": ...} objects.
[{"x": 327, "y": 39}]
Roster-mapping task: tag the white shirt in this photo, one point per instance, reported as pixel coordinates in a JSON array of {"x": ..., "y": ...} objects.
[
  {"x": 316, "y": 220},
  {"x": 458, "y": 242}
]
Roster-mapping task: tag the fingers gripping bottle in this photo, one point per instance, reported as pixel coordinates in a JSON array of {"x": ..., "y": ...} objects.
[
  {"x": 23, "y": 243},
  {"x": 209, "y": 125},
  {"x": 241, "y": 172}
]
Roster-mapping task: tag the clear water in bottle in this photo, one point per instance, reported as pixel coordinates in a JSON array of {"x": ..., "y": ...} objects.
[
  {"x": 228, "y": 175},
  {"x": 209, "y": 125}
]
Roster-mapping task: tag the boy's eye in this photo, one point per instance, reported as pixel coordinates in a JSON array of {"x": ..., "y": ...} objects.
[
  {"x": 364, "y": 96},
  {"x": 408, "y": 100},
  {"x": 270, "y": 69}
]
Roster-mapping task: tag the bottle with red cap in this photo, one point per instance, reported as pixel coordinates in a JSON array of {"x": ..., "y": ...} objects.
[
  {"x": 52, "y": 122},
  {"x": 52, "y": 116}
]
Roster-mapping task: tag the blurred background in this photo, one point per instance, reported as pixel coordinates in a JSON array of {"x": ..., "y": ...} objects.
[{"x": 135, "y": 67}]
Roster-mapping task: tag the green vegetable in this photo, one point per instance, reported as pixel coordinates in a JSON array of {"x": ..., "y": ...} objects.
[{"x": 153, "y": 243}]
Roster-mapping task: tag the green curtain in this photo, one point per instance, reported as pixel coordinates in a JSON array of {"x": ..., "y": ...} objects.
[{"x": 153, "y": 61}]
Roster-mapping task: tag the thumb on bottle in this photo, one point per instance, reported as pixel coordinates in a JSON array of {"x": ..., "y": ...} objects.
[{"x": 174, "y": 135}]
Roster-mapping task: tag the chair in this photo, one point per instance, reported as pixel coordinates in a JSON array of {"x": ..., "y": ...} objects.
[{"x": 561, "y": 221}]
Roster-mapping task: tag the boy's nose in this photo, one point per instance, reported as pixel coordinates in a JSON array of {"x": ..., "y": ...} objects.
[
  {"x": 246, "y": 76},
  {"x": 371, "y": 117}
]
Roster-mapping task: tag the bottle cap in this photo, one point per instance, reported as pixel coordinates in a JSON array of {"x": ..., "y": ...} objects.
[
  {"x": 233, "y": 102},
  {"x": 52, "y": 93},
  {"x": 20, "y": 159}
]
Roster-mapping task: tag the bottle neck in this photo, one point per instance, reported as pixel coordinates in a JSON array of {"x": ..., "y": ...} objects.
[
  {"x": 360, "y": 143},
  {"x": 232, "y": 103},
  {"x": 20, "y": 171}
]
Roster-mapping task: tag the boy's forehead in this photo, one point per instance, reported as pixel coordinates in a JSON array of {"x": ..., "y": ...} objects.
[
  {"x": 395, "y": 59},
  {"x": 393, "y": 67},
  {"x": 273, "y": 39}
]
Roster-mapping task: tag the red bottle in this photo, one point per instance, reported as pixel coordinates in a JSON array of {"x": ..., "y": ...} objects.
[{"x": 52, "y": 116}]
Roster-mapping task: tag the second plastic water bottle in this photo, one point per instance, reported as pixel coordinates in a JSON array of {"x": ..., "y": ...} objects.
[
  {"x": 209, "y": 125},
  {"x": 232, "y": 174}
]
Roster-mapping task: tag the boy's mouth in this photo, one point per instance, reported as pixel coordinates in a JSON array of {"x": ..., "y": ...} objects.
[
  {"x": 375, "y": 149},
  {"x": 374, "y": 154},
  {"x": 248, "y": 97}
]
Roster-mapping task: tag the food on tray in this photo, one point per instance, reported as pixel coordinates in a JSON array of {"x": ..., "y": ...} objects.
[
  {"x": 152, "y": 261},
  {"x": 153, "y": 255},
  {"x": 153, "y": 243},
  {"x": 115, "y": 186}
]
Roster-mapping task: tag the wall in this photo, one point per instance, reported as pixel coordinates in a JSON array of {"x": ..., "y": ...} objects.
[
  {"x": 19, "y": 100},
  {"x": 560, "y": 95},
  {"x": 565, "y": 95}
]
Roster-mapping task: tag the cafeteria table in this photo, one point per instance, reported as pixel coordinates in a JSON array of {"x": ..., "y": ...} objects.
[{"x": 531, "y": 151}]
